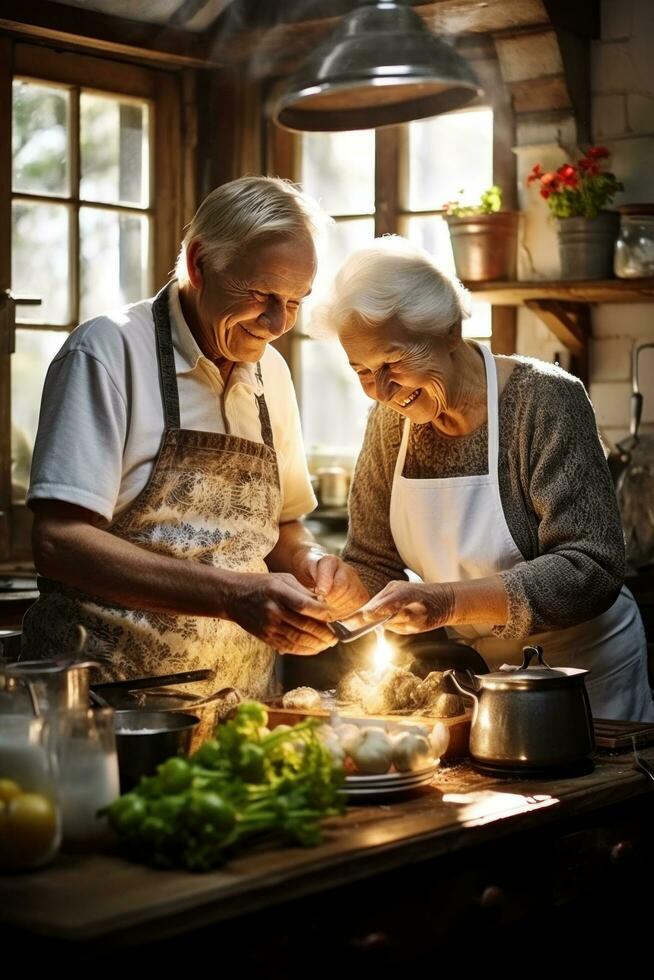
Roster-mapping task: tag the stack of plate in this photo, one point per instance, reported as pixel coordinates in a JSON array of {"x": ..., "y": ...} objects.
[{"x": 390, "y": 783}]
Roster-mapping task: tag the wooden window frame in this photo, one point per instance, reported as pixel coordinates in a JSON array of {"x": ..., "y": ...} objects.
[{"x": 172, "y": 202}]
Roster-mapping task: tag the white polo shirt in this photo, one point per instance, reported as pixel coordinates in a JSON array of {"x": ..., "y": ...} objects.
[{"x": 101, "y": 420}]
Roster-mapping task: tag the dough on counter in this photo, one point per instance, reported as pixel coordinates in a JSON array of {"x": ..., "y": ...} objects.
[
  {"x": 396, "y": 690},
  {"x": 437, "y": 702},
  {"x": 353, "y": 686},
  {"x": 430, "y": 688},
  {"x": 447, "y": 706},
  {"x": 303, "y": 698}
]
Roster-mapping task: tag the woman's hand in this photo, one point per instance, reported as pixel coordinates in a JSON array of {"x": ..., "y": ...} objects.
[
  {"x": 279, "y": 610},
  {"x": 334, "y": 582},
  {"x": 414, "y": 607}
]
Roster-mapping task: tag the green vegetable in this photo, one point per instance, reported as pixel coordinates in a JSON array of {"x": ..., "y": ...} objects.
[
  {"x": 247, "y": 784},
  {"x": 175, "y": 775},
  {"x": 252, "y": 762},
  {"x": 206, "y": 808},
  {"x": 126, "y": 813}
]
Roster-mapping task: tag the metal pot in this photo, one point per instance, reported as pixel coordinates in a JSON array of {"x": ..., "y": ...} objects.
[
  {"x": 144, "y": 739},
  {"x": 531, "y": 721},
  {"x": 59, "y": 685}
]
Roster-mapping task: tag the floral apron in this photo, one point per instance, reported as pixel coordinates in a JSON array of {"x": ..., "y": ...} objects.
[{"x": 211, "y": 498}]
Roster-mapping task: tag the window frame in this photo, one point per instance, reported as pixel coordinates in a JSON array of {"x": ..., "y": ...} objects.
[{"x": 169, "y": 199}]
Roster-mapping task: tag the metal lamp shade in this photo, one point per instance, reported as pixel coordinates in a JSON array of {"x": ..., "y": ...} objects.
[{"x": 380, "y": 66}]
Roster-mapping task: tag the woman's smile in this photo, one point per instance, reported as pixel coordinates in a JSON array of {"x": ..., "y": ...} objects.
[{"x": 412, "y": 397}]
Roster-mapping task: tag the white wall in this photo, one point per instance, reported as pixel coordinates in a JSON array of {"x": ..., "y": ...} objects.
[{"x": 622, "y": 79}]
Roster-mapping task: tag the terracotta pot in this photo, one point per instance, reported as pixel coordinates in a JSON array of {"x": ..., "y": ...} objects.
[
  {"x": 485, "y": 246},
  {"x": 586, "y": 245}
]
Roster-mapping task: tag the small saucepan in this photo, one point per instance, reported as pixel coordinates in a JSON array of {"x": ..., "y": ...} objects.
[{"x": 530, "y": 720}]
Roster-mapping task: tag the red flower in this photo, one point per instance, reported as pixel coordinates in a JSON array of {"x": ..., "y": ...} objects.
[
  {"x": 589, "y": 166},
  {"x": 598, "y": 153},
  {"x": 568, "y": 175},
  {"x": 536, "y": 173}
]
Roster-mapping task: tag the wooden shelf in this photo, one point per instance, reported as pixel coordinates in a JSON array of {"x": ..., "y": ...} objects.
[
  {"x": 564, "y": 306},
  {"x": 578, "y": 291}
]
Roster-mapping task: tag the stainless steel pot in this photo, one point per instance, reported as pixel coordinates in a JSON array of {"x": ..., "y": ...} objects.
[
  {"x": 59, "y": 685},
  {"x": 530, "y": 720}
]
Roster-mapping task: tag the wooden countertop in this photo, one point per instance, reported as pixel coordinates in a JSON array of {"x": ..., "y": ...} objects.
[{"x": 84, "y": 898}]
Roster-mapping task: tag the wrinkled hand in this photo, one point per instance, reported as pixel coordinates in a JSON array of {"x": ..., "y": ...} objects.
[
  {"x": 334, "y": 582},
  {"x": 277, "y": 609},
  {"x": 414, "y": 607}
]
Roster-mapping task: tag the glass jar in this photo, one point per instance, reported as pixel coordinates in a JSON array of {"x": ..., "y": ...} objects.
[
  {"x": 634, "y": 247},
  {"x": 88, "y": 775},
  {"x": 30, "y": 819}
]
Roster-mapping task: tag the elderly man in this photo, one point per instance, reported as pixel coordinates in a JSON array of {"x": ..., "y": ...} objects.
[{"x": 169, "y": 478}]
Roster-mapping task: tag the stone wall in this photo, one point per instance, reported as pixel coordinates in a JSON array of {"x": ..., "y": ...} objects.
[{"x": 622, "y": 78}]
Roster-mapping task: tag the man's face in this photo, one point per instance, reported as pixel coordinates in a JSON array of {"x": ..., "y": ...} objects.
[{"x": 255, "y": 299}]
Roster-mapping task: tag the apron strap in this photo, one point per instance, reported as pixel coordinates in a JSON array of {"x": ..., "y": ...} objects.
[
  {"x": 492, "y": 411},
  {"x": 166, "y": 359},
  {"x": 264, "y": 415}
]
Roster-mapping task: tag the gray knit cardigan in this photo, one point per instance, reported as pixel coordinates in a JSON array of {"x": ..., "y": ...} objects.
[{"x": 555, "y": 488}]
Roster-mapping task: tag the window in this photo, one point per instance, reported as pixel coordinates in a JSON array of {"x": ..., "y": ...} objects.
[
  {"x": 371, "y": 183},
  {"x": 92, "y": 222},
  {"x": 81, "y": 227}
]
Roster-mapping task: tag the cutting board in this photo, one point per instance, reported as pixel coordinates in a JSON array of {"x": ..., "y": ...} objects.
[
  {"x": 616, "y": 735},
  {"x": 458, "y": 726}
]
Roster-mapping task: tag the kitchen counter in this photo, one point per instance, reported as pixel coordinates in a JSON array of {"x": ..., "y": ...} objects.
[{"x": 467, "y": 849}]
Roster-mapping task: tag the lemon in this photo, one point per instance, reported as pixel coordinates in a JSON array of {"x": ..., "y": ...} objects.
[
  {"x": 8, "y": 789},
  {"x": 28, "y": 830}
]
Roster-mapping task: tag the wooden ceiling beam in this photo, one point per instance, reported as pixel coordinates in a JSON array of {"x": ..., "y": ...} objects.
[{"x": 75, "y": 28}]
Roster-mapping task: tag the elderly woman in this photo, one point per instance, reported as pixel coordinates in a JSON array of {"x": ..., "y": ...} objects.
[{"x": 485, "y": 476}]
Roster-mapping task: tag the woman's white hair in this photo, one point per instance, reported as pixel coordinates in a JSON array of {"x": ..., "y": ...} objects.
[
  {"x": 392, "y": 278},
  {"x": 235, "y": 215}
]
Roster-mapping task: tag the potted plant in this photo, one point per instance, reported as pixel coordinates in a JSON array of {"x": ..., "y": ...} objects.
[
  {"x": 484, "y": 238},
  {"x": 576, "y": 195}
]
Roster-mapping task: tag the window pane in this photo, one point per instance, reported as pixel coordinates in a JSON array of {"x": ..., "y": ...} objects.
[
  {"x": 113, "y": 260},
  {"x": 334, "y": 407},
  {"x": 450, "y": 156},
  {"x": 114, "y": 150},
  {"x": 432, "y": 234},
  {"x": 39, "y": 260},
  {"x": 326, "y": 376},
  {"x": 341, "y": 239},
  {"x": 34, "y": 351},
  {"x": 339, "y": 170},
  {"x": 40, "y": 139}
]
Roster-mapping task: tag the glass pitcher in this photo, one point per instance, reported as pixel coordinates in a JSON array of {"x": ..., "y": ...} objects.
[
  {"x": 88, "y": 775},
  {"x": 30, "y": 816}
]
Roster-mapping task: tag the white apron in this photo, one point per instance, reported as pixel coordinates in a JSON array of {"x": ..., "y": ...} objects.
[{"x": 454, "y": 529}]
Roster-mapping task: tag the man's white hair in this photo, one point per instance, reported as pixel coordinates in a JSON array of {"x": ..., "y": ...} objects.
[
  {"x": 237, "y": 214},
  {"x": 392, "y": 278}
]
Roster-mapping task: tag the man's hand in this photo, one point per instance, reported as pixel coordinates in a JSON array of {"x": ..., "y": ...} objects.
[
  {"x": 334, "y": 582},
  {"x": 279, "y": 610},
  {"x": 414, "y": 607}
]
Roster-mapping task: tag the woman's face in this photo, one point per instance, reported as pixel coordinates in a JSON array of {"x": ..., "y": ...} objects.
[{"x": 412, "y": 373}]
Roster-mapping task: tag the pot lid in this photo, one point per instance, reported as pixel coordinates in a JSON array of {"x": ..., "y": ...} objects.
[{"x": 527, "y": 673}]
